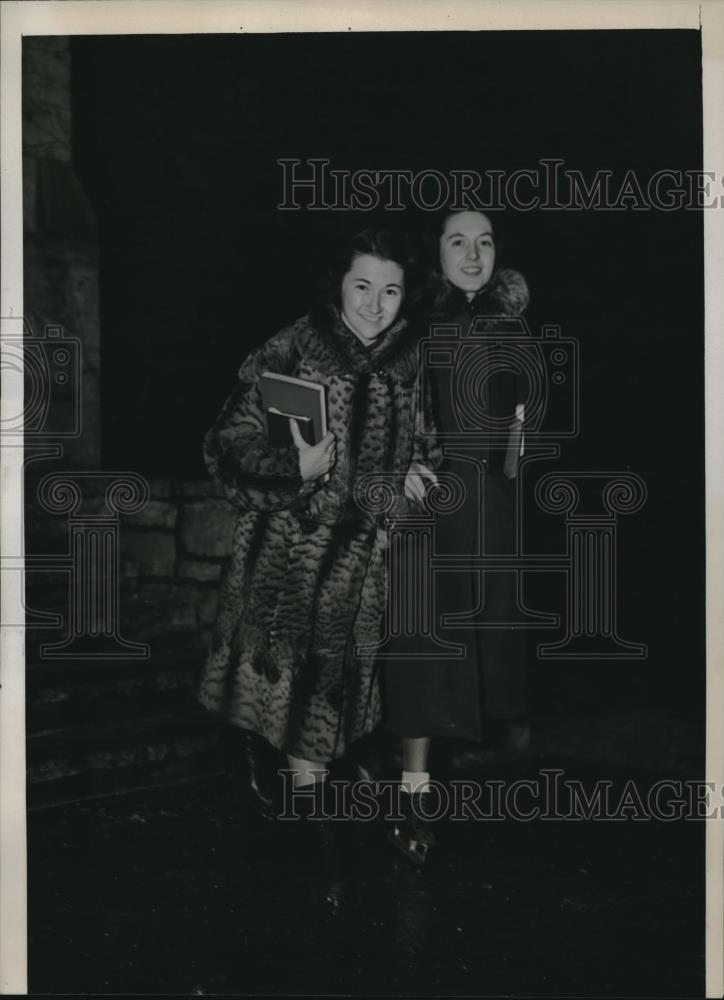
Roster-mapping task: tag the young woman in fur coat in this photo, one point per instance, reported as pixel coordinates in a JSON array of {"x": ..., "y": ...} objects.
[
  {"x": 453, "y": 697},
  {"x": 302, "y": 602}
]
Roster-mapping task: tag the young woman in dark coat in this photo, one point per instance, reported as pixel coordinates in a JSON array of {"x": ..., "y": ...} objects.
[
  {"x": 453, "y": 697},
  {"x": 302, "y": 603}
]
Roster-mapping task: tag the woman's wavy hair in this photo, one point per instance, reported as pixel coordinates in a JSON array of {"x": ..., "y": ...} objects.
[
  {"x": 385, "y": 244},
  {"x": 440, "y": 296}
]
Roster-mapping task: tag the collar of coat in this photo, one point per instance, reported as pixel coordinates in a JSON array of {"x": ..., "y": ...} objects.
[
  {"x": 506, "y": 294},
  {"x": 333, "y": 347}
]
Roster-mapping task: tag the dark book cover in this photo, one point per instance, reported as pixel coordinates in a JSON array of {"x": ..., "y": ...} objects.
[
  {"x": 284, "y": 397},
  {"x": 278, "y": 432}
]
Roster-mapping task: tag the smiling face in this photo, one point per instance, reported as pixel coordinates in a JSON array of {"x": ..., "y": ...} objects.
[
  {"x": 467, "y": 251},
  {"x": 372, "y": 292}
]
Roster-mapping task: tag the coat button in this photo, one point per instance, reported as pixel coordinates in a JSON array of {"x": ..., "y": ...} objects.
[{"x": 306, "y": 523}]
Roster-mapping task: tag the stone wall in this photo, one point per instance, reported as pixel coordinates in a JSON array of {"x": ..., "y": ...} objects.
[
  {"x": 171, "y": 558},
  {"x": 60, "y": 241},
  {"x": 172, "y": 555},
  {"x": 101, "y": 724}
]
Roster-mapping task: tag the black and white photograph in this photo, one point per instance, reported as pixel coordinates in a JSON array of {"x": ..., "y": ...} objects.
[{"x": 358, "y": 501}]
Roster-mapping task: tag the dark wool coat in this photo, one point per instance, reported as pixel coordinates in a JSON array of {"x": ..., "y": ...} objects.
[
  {"x": 452, "y": 698},
  {"x": 306, "y": 582}
]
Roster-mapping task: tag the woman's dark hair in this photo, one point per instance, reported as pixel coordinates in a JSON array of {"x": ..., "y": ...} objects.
[
  {"x": 440, "y": 295},
  {"x": 385, "y": 244}
]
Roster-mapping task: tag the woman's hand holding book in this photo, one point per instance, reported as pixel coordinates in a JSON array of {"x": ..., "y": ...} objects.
[{"x": 315, "y": 460}]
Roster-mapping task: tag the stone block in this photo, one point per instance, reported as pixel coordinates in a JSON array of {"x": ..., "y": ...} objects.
[
  {"x": 184, "y": 616},
  {"x": 46, "y": 96},
  {"x": 154, "y": 551},
  {"x": 200, "y": 488},
  {"x": 189, "y": 593},
  {"x": 203, "y": 572},
  {"x": 155, "y": 514},
  {"x": 173, "y": 680},
  {"x": 161, "y": 489},
  {"x": 207, "y": 607},
  {"x": 162, "y": 607},
  {"x": 207, "y": 528},
  {"x": 157, "y": 592}
]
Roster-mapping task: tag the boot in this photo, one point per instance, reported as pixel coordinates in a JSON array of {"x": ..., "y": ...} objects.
[
  {"x": 365, "y": 759},
  {"x": 254, "y": 765},
  {"x": 317, "y": 835},
  {"x": 414, "y": 836}
]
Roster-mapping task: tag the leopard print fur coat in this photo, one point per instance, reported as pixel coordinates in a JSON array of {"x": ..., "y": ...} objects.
[{"x": 302, "y": 602}]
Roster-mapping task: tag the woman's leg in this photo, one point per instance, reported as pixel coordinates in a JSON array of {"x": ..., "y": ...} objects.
[
  {"x": 413, "y": 836},
  {"x": 255, "y": 765},
  {"x": 306, "y": 772},
  {"x": 415, "y": 751},
  {"x": 320, "y": 851}
]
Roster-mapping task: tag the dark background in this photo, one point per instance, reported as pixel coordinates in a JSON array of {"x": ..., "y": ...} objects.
[{"x": 176, "y": 142}]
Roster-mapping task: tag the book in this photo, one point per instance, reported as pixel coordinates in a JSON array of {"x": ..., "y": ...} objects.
[
  {"x": 277, "y": 427},
  {"x": 514, "y": 450},
  {"x": 283, "y": 397}
]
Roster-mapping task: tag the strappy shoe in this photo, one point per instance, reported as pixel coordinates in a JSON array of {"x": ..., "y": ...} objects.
[{"x": 413, "y": 835}]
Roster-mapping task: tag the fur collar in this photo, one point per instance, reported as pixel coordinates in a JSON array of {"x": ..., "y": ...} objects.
[
  {"x": 506, "y": 294},
  {"x": 335, "y": 349}
]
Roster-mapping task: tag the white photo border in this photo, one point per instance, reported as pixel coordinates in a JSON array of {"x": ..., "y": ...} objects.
[{"x": 69, "y": 17}]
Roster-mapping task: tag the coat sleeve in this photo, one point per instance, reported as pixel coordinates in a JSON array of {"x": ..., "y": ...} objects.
[
  {"x": 255, "y": 475},
  {"x": 426, "y": 447},
  {"x": 512, "y": 298}
]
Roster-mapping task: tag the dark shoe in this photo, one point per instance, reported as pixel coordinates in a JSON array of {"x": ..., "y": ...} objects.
[
  {"x": 317, "y": 845},
  {"x": 365, "y": 759},
  {"x": 414, "y": 836},
  {"x": 255, "y": 766},
  {"x": 325, "y": 861}
]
